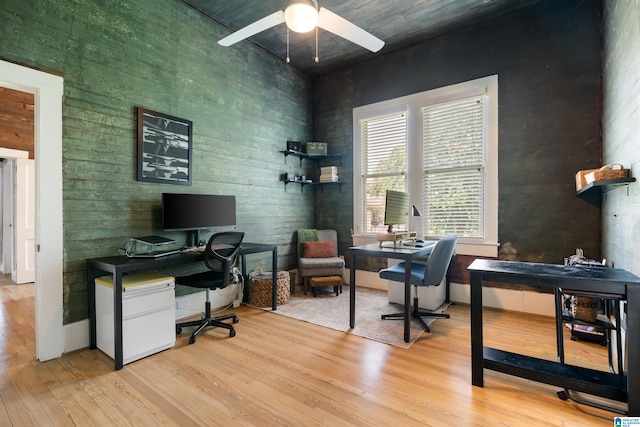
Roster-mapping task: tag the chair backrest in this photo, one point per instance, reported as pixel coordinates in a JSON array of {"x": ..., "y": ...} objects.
[
  {"x": 221, "y": 253},
  {"x": 438, "y": 261}
]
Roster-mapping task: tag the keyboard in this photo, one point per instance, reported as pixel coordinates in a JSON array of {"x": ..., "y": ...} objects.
[
  {"x": 155, "y": 254},
  {"x": 153, "y": 240},
  {"x": 419, "y": 244}
]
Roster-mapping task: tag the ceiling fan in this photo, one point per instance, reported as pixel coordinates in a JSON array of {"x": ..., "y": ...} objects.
[{"x": 303, "y": 16}]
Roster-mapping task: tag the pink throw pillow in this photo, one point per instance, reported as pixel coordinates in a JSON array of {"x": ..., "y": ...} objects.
[{"x": 325, "y": 249}]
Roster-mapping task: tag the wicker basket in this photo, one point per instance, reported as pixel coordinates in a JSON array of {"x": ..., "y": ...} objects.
[
  {"x": 260, "y": 289},
  {"x": 584, "y": 308},
  {"x": 607, "y": 172}
]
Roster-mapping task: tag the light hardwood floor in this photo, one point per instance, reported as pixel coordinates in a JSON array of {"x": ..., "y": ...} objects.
[{"x": 279, "y": 371}]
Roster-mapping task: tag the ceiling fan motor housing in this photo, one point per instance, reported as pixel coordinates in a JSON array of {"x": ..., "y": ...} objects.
[{"x": 301, "y": 16}]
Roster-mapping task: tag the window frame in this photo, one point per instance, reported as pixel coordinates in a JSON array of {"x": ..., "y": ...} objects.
[{"x": 413, "y": 104}]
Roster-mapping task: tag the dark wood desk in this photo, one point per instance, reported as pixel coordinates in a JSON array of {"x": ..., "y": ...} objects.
[
  {"x": 405, "y": 253},
  {"x": 120, "y": 265},
  {"x": 605, "y": 282}
]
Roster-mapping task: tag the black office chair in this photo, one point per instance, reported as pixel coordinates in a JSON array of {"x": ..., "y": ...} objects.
[
  {"x": 219, "y": 256},
  {"x": 430, "y": 273}
]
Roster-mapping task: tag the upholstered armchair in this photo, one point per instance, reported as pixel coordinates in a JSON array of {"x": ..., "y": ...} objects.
[{"x": 318, "y": 255}]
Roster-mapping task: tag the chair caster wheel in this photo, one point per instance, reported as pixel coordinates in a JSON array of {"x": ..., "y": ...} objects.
[
  {"x": 236, "y": 320},
  {"x": 192, "y": 340},
  {"x": 232, "y": 332},
  {"x": 178, "y": 330},
  {"x": 562, "y": 395}
]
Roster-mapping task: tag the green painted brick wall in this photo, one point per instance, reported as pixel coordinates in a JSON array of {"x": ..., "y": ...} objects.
[{"x": 161, "y": 55}]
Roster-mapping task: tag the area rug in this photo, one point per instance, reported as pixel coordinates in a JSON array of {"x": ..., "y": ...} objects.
[{"x": 332, "y": 311}]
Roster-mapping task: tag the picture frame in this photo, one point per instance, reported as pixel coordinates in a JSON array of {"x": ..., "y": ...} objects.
[{"x": 165, "y": 147}]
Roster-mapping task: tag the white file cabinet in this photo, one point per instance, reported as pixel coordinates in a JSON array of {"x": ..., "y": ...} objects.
[
  {"x": 429, "y": 297},
  {"x": 148, "y": 315}
]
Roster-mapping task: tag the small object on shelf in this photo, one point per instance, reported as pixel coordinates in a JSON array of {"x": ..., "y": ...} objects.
[
  {"x": 590, "y": 333},
  {"x": 294, "y": 146},
  {"x": 329, "y": 174},
  {"x": 581, "y": 182},
  {"x": 316, "y": 148},
  {"x": 610, "y": 171},
  {"x": 584, "y": 308}
]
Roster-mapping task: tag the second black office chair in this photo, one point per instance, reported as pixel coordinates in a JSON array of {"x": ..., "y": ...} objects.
[
  {"x": 430, "y": 273},
  {"x": 220, "y": 257}
]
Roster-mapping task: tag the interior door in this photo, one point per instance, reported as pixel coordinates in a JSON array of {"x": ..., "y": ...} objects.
[
  {"x": 25, "y": 229},
  {"x": 8, "y": 201}
]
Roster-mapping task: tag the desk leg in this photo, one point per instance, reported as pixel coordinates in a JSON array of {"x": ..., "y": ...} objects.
[
  {"x": 117, "y": 319},
  {"x": 447, "y": 276},
  {"x": 352, "y": 291},
  {"x": 557, "y": 294},
  {"x": 274, "y": 278},
  {"x": 245, "y": 277},
  {"x": 91, "y": 277},
  {"x": 407, "y": 301},
  {"x": 633, "y": 349},
  {"x": 477, "y": 357}
]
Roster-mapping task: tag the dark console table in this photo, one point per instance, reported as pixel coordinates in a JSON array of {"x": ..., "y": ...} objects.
[
  {"x": 610, "y": 283},
  {"x": 120, "y": 265}
]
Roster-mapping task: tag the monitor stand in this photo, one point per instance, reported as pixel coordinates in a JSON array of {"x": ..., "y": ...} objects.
[
  {"x": 194, "y": 241},
  {"x": 395, "y": 236}
]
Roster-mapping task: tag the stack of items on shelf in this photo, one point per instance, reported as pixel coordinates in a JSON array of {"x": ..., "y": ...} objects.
[{"x": 329, "y": 174}]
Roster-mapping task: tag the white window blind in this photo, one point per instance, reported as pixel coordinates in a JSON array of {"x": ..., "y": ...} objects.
[
  {"x": 454, "y": 168},
  {"x": 383, "y": 142}
]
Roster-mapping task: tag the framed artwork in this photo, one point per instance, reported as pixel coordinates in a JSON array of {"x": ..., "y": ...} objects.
[{"x": 165, "y": 148}]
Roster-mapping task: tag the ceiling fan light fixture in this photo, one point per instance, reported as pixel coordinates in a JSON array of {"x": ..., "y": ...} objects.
[{"x": 301, "y": 16}]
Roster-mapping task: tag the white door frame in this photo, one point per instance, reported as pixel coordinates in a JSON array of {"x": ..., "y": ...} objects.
[{"x": 47, "y": 90}]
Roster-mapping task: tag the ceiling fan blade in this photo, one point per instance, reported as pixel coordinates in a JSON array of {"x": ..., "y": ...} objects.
[
  {"x": 252, "y": 29},
  {"x": 337, "y": 25}
]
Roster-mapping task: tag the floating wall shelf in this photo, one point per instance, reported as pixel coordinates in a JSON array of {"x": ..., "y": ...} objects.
[{"x": 602, "y": 185}]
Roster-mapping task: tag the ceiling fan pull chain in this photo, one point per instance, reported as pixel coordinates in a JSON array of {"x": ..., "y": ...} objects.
[
  {"x": 287, "y": 60},
  {"x": 316, "y": 58}
]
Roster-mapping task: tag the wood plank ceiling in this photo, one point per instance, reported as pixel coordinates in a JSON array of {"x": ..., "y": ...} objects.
[{"x": 398, "y": 23}]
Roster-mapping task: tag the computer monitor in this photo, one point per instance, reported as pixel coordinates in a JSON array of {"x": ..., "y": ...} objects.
[
  {"x": 396, "y": 209},
  {"x": 195, "y": 212}
]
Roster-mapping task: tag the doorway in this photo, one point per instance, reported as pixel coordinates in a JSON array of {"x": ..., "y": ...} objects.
[
  {"x": 18, "y": 215},
  {"x": 47, "y": 90}
]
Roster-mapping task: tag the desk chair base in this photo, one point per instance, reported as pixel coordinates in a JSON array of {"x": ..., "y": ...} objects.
[
  {"x": 417, "y": 314},
  {"x": 208, "y": 321}
]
